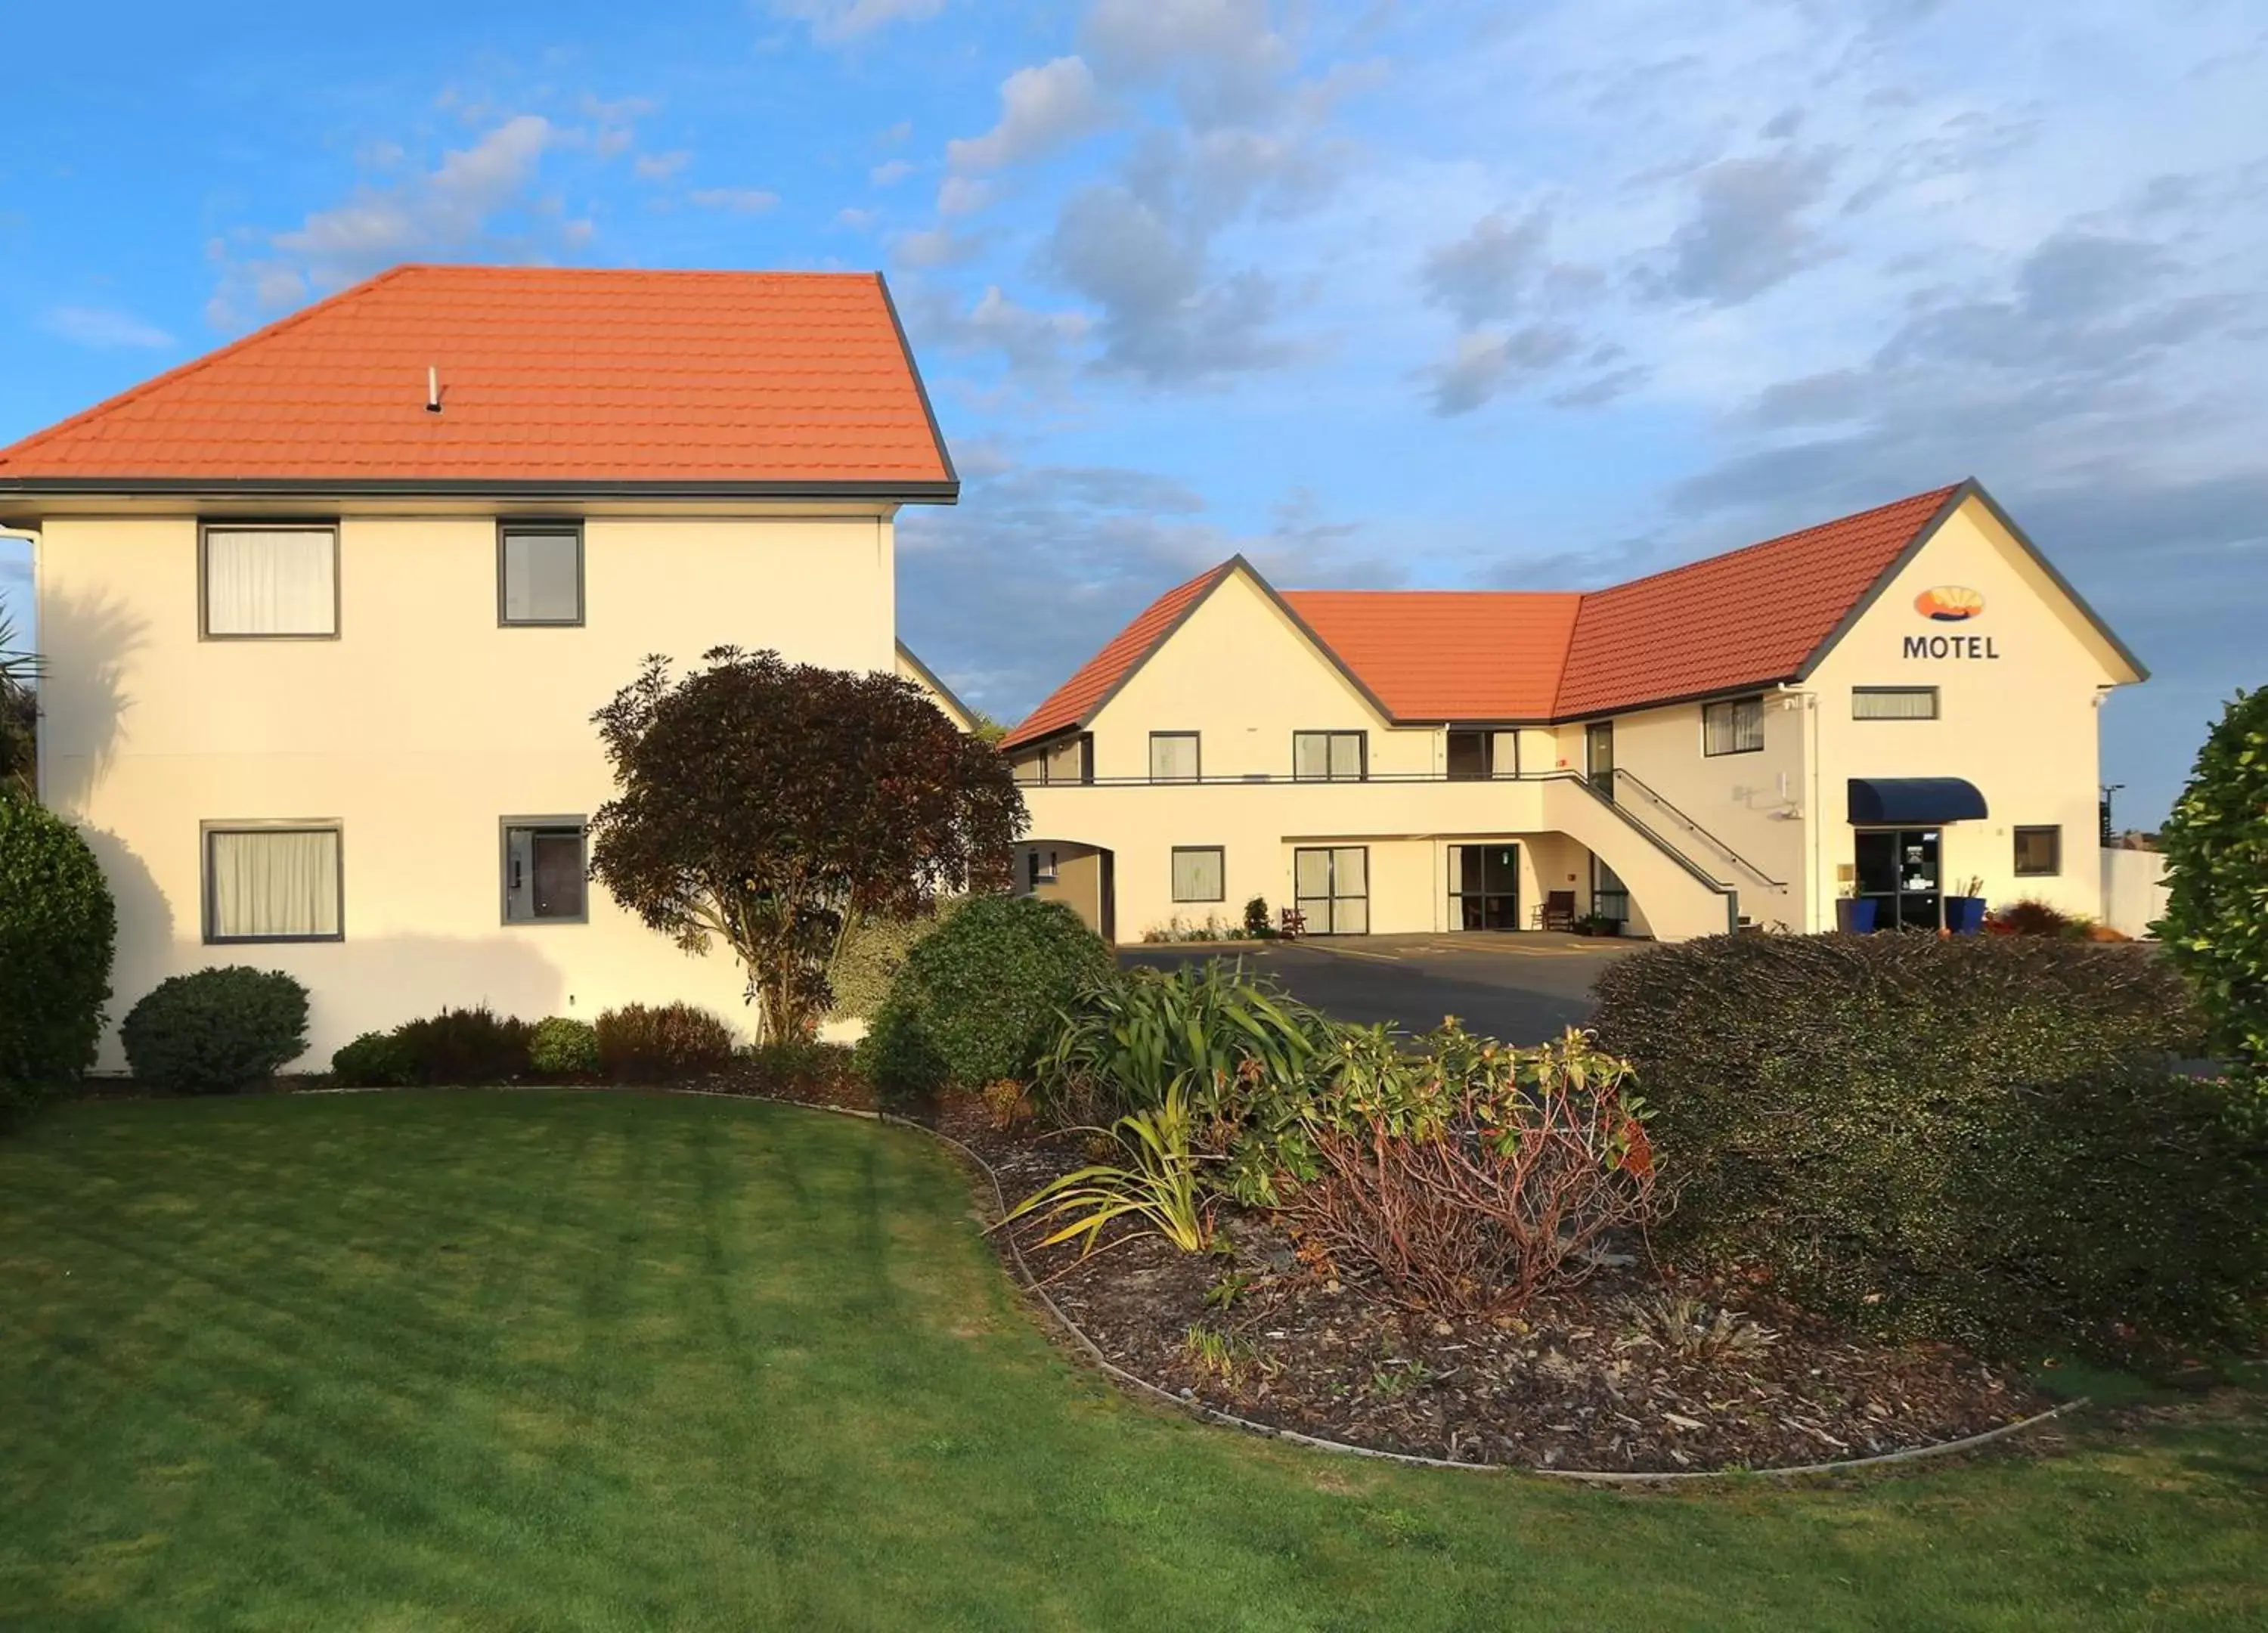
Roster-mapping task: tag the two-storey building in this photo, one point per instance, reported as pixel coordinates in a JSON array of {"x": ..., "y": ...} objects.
[
  {"x": 1885, "y": 708},
  {"x": 326, "y": 612}
]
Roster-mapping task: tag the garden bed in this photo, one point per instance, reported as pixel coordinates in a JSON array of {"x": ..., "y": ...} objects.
[{"x": 1577, "y": 1381}]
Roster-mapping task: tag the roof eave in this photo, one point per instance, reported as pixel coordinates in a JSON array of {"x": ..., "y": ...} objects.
[{"x": 899, "y": 490}]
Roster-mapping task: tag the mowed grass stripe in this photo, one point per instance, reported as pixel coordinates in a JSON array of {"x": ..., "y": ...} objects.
[{"x": 552, "y": 1360}]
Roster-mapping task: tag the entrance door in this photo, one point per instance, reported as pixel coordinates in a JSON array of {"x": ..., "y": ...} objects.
[
  {"x": 1898, "y": 870},
  {"x": 558, "y": 873},
  {"x": 1599, "y": 756},
  {"x": 1330, "y": 886},
  {"x": 1485, "y": 887}
]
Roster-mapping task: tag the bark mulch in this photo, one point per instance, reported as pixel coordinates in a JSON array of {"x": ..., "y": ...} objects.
[{"x": 1730, "y": 1378}]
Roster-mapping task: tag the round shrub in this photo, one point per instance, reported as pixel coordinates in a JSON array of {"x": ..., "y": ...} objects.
[
  {"x": 983, "y": 996},
  {"x": 562, "y": 1046},
  {"x": 466, "y": 1048},
  {"x": 1977, "y": 1139},
  {"x": 2216, "y": 846},
  {"x": 216, "y": 1030},
  {"x": 58, "y": 927},
  {"x": 638, "y": 1043},
  {"x": 376, "y": 1060}
]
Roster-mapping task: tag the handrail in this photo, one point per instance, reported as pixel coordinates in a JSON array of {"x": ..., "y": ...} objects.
[
  {"x": 1654, "y": 794},
  {"x": 1731, "y": 895}
]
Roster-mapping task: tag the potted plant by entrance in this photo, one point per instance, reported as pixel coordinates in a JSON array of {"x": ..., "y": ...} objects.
[
  {"x": 1597, "y": 925},
  {"x": 1964, "y": 914},
  {"x": 1854, "y": 915}
]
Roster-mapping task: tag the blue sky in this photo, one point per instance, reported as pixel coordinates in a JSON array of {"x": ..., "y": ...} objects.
[{"x": 1379, "y": 294}]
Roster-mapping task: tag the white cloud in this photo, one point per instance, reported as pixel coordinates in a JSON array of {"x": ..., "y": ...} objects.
[
  {"x": 935, "y": 247},
  {"x": 1042, "y": 109},
  {"x": 837, "y": 22},
  {"x": 888, "y": 172},
  {"x": 962, "y": 195},
  {"x": 1222, "y": 57},
  {"x": 739, "y": 200},
  {"x": 104, "y": 327},
  {"x": 660, "y": 166},
  {"x": 856, "y": 220}
]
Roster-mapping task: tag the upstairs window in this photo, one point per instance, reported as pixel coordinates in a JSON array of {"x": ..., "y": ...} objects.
[
  {"x": 1735, "y": 726},
  {"x": 1069, "y": 761},
  {"x": 269, "y": 583},
  {"x": 1473, "y": 755},
  {"x": 1331, "y": 756},
  {"x": 539, "y": 573},
  {"x": 1173, "y": 757},
  {"x": 1894, "y": 702}
]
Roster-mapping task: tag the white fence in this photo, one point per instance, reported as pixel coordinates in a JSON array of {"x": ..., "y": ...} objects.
[{"x": 2133, "y": 890}]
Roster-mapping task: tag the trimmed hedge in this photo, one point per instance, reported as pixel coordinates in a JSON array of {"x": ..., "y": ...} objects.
[
  {"x": 1976, "y": 1139},
  {"x": 982, "y": 997},
  {"x": 874, "y": 952},
  {"x": 466, "y": 1048},
  {"x": 57, "y": 929},
  {"x": 376, "y": 1060},
  {"x": 563, "y": 1047},
  {"x": 216, "y": 1030},
  {"x": 638, "y": 1043}
]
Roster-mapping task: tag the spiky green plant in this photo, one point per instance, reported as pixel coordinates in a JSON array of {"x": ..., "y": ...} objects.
[{"x": 1157, "y": 1192}]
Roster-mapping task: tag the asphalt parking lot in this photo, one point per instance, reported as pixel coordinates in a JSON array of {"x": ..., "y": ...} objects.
[{"x": 1523, "y": 987}]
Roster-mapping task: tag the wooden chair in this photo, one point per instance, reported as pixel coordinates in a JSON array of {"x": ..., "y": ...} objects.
[
  {"x": 1557, "y": 911},
  {"x": 1294, "y": 923}
]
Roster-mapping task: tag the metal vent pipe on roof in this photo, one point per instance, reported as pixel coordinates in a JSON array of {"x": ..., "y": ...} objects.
[{"x": 432, "y": 390}]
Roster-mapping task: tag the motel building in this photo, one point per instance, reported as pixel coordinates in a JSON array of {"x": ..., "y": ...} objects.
[{"x": 1887, "y": 715}]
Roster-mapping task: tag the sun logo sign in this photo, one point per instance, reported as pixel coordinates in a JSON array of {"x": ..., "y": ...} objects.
[{"x": 1948, "y": 604}]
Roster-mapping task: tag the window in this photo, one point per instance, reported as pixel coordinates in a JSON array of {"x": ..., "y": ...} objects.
[
  {"x": 1039, "y": 867},
  {"x": 273, "y": 882},
  {"x": 1894, "y": 702},
  {"x": 1071, "y": 761},
  {"x": 269, "y": 582},
  {"x": 544, "y": 871},
  {"x": 1734, "y": 727},
  {"x": 1173, "y": 757},
  {"x": 1199, "y": 873},
  {"x": 1483, "y": 887},
  {"x": 1331, "y": 756},
  {"x": 539, "y": 573},
  {"x": 2039, "y": 852},
  {"x": 1476, "y": 755},
  {"x": 1331, "y": 887}
]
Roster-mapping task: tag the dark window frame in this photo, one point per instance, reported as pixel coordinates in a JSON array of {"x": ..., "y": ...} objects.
[
  {"x": 1757, "y": 747},
  {"x": 208, "y": 525},
  {"x": 1934, "y": 694},
  {"x": 1197, "y": 742},
  {"x": 1490, "y": 771},
  {"x": 207, "y": 907},
  {"x": 1362, "y": 752},
  {"x": 581, "y": 825},
  {"x": 1172, "y": 877},
  {"x": 2017, "y": 835},
  {"x": 548, "y": 528}
]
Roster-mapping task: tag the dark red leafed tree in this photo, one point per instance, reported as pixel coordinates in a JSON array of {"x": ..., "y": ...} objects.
[{"x": 774, "y": 805}]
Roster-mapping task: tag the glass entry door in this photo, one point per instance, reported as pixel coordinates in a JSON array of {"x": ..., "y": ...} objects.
[
  {"x": 1331, "y": 888},
  {"x": 1899, "y": 872},
  {"x": 1485, "y": 887},
  {"x": 1599, "y": 756}
]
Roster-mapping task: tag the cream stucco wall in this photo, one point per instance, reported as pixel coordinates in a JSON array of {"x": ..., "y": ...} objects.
[{"x": 418, "y": 729}]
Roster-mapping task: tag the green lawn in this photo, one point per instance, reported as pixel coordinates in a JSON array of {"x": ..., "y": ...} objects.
[{"x": 563, "y": 1361}]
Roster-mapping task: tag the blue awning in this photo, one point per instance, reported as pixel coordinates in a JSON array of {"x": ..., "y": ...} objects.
[{"x": 1914, "y": 801}]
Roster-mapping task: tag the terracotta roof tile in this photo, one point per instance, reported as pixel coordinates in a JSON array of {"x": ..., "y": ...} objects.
[
  {"x": 1747, "y": 618},
  {"x": 1071, "y": 702},
  {"x": 545, "y": 372},
  {"x": 1447, "y": 654},
  {"x": 1737, "y": 619}
]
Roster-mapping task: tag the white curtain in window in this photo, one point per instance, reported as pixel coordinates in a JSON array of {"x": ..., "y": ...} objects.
[
  {"x": 1173, "y": 757},
  {"x": 275, "y": 882},
  {"x": 1346, "y": 756},
  {"x": 1196, "y": 876},
  {"x": 270, "y": 581},
  {"x": 1311, "y": 755},
  {"x": 1733, "y": 728},
  {"x": 1917, "y": 702},
  {"x": 1067, "y": 762},
  {"x": 542, "y": 577},
  {"x": 1503, "y": 753}
]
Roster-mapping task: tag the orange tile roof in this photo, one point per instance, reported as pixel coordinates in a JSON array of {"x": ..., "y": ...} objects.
[
  {"x": 1077, "y": 699},
  {"x": 1737, "y": 619},
  {"x": 563, "y": 376},
  {"x": 1447, "y": 654},
  {"x": 1745, "y": 619}
]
